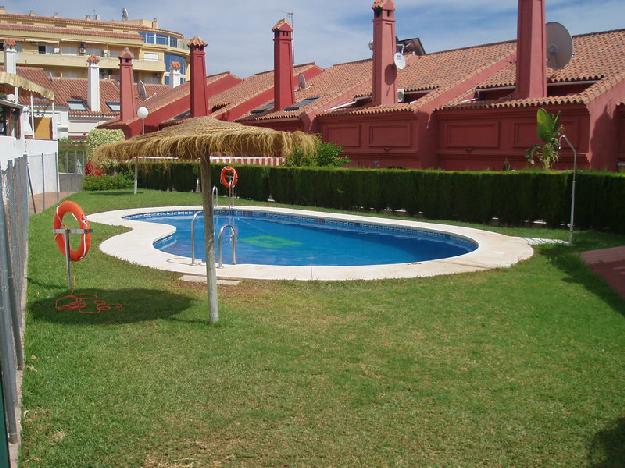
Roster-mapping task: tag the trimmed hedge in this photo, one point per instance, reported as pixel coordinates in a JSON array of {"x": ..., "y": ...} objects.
[
  {"x": 512, "y": 197},
  {"x": 106, "y": 182}
]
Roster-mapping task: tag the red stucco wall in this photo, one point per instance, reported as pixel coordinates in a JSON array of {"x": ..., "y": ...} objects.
[
  {"x": 389, "y": 140},
  {"x": 485, "y": 139}
]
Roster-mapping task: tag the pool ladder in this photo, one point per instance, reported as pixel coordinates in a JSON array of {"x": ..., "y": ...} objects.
[
  {"x": 193, "y": 237},
  {"x": 233, "y": 236},
  {"x": 215, "y": 205}
]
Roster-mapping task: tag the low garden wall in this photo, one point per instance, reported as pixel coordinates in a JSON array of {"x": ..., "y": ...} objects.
[{"x": 513, "y": 198}]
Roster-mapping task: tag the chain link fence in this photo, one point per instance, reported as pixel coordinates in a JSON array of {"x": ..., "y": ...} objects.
[{"x": 14, "y": 197}]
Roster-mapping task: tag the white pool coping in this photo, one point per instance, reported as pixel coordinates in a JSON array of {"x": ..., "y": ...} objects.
[{"x": 137, "y": 246}]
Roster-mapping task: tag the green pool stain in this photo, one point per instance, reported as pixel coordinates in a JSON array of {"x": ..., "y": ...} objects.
[{"x": 270, "y": 242}]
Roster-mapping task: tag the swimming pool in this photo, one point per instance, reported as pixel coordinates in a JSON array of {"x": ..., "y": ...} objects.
[
  {"x": 288, "y": 240},
  {"x": 348, "y": 247}
]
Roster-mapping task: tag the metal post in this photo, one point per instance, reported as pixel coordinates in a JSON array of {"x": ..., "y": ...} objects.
[
  {"x": 136, "y": 173},
  {"x": 58, "y": 178},
  {"x": 11, "y": 260},
  {"x": 67, "y": 161},
  {"x": 573, "y": 189},
  {"x": 30, "y": 184},
  {"x": 7, "y": 344},
  {"x": 68, "y": 260},
  {"x": 43, "y": 182}
]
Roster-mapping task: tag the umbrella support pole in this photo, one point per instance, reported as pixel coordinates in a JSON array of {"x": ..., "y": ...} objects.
[{"x": 209, "y": 239}]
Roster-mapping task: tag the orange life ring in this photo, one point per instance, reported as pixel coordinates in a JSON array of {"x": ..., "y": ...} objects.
[
  {"x": 85, "y": 239},
  {"x": 232, "y": 182}
]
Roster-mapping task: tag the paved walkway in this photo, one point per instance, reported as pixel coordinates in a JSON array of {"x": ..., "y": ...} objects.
[
  {"x": 610, "y": 264},
  {"x": 50, "y": 199}
]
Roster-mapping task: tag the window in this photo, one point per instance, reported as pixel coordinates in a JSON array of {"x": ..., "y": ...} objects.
[
  {"x": 114, "y": 106},
  {"x": 69, "y": 50},
  {"x": 153, "y": 57},
  {"x": 148, "y": 37},
  {"x": 96, "y": 52},
  {"x": 77, "y": 105},
  {"x": 262, "y": 109},
  {"x": 301, "y": 104},
  {"x": 43, "y": 50},
  {"x": 162, "y": 39}
]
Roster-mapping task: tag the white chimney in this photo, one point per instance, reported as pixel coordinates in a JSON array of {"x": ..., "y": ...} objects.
[
  {"x": 93, "y": 83},
  {"x": 10, "y": 56},
  {"x": 174, "y": 75}
]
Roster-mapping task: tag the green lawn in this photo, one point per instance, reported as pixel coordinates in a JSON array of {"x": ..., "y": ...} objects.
[{"x": 524, "y": 366}]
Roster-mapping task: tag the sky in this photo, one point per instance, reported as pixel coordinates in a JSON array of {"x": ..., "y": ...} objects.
[{"x": 239, "y": 34}]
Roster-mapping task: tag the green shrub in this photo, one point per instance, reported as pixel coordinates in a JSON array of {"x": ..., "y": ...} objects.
[
  {"x": 513, "y": 197},
  {"x": 326, "y": 155},
  {"x": 107, "y": 182}
]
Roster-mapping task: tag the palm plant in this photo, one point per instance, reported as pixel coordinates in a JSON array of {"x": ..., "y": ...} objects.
[{"x": 550, "y": 132}]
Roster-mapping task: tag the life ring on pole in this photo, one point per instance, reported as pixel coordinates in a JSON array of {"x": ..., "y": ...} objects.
[
  {"x": 231, "y": 181},
  {"x": 85, "y": 237}
]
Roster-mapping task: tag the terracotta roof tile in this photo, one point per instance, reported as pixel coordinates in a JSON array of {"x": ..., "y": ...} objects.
[
  {"x": 329, "y": 86},
  {"x": 246, "y": 90},
  {"x": 161, "y": 96},
  {"x": 67, "y": 89},
  {"x": 282, "y": 25},
  {"x": 122, "y": 25},
  {"x": 197, "y": 41},
  {"x": 433, "y": 72},
  {"x": 598, "y": 57},
  {"x": 70, "y": 31}
]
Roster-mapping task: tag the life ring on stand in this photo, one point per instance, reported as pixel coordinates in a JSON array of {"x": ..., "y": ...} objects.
[
  {"x": 229, "y": 182},
  {"x": 85, "y": 237}
]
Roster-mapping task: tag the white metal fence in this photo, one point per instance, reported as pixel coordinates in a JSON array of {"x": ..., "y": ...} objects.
[{"x": 14, "y": 191}]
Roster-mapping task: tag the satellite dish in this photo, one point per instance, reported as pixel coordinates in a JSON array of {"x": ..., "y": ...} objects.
[
  {"x": 559, "y": 46},
  {"x": 400, "y": 61},
  {"x": 401, "y": 95}
]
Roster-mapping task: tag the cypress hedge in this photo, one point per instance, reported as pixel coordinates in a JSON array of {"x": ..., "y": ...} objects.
[{"x": 514, "y": 198}]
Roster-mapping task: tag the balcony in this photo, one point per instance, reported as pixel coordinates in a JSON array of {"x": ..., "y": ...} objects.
[{"x": 80, "y": 61}]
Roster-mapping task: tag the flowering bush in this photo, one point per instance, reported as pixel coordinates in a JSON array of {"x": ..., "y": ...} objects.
[{"x": 92, "y": 170}]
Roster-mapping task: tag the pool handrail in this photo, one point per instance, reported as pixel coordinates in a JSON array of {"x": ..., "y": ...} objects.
[
  {"x": 215, "y": 196},
  {"x": 220, "y": 244},
  {"x": 193, "y": 237}
]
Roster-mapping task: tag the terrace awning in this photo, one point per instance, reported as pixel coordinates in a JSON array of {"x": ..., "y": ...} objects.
[{"x": 20, "y": 82}]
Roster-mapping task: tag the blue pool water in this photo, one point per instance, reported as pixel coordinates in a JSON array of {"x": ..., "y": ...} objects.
[{"x": 288, "y": 240}]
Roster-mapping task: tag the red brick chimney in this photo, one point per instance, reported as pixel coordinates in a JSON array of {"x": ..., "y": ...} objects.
[
  {"x": 384, "y": 48},
  {"x": 283, "y": 84},
  {"x": 199, "y": 98},
  {"x": 127, "y": 99},
  {"x": 531, "y": 62}
]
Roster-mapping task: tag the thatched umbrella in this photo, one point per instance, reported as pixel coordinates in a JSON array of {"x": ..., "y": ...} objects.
[{"x": 200, "y": 138}]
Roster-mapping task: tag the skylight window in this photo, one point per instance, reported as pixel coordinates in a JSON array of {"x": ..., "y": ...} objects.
[
  {"x": 77, "y": 105},
  {"x": 114, "y": 106},
  {"x": 260, "y": 110},
  {"x": 303, "y": 103}
]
